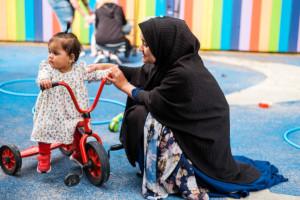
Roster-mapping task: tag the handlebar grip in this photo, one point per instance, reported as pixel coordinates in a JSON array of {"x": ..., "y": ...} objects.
[{"x": 54, "y": 84}]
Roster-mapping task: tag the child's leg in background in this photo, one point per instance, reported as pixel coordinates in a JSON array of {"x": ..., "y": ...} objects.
[
  {"x": 128, "y": 48},
  {"x": 93, "y": 46},
  {"x": 44, "y": 158}
]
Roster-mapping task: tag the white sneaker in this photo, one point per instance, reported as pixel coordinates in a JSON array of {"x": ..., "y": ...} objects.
[
  {"x": 82, "y": 54},
  {"x": 115, "y": 58},
  {"x": 99, "y": 58}
]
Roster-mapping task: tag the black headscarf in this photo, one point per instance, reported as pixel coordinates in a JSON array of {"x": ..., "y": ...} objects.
[
  {"x": 173, "y": 40},
  {"x": 166, "y": 44}
]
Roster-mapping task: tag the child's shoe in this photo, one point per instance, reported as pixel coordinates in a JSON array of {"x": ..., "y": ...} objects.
[{"x": 44, "y": 163}]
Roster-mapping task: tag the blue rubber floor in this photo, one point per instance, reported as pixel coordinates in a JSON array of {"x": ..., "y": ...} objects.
[{"x": 255, "y": 132}]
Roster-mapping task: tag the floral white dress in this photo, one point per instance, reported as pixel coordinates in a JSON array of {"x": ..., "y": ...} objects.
[{"x": 55, "y": 116}]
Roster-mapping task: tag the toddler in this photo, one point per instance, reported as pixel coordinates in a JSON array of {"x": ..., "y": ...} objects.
[{"x": 56, "y": 117}]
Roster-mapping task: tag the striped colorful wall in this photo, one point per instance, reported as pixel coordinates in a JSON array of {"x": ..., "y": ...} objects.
[{"x": 243, "y": 25}]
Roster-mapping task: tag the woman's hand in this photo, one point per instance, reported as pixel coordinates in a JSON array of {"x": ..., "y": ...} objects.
[
  {"x": 46, "y": 84},
  {"x": 119, "y": 80}
]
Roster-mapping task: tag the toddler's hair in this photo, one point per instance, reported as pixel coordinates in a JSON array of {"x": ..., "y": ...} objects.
[{"x": 69, "y": 43}]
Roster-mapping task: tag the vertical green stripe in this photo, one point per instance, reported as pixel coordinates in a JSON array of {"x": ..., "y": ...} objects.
[
  {"x": 84, "y": 29},
  {"x": 81, "y": 28},
  {"x": 150, "y": 5},
  {"x": 275, "y": 25},
  {"x": 216, "y": 24},
  {"x": 20, "y": 20}
]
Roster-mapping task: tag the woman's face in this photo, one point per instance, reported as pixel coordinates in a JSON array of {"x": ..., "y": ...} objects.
[{"x": 148, "y": 57}]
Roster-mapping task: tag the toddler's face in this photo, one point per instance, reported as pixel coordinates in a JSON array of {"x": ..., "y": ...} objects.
[{"x": 58, "y": 58}]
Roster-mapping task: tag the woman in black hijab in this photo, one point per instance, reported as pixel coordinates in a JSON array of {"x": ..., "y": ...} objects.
[{"x": 176, "y": 121}]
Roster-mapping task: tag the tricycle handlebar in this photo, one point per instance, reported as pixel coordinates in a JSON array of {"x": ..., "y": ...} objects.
[{"x": 92, "y": 107}]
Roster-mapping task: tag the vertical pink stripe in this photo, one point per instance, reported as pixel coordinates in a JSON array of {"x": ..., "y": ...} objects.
[
  {"x": 47, "y": 21},
  {"x": 298, "y": 46},
  {"x": 181, "y": 14},
  {"x": 3, "y": 20},
  {"x": 245, "y": 28}
]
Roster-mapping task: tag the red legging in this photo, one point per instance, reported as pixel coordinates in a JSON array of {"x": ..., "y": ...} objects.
[{"x": 44, "y": 148}]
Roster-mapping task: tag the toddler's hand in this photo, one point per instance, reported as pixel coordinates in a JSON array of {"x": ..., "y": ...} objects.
[
  {"x": 46, "y": 84},
  {"x": 100, "y": 66}
]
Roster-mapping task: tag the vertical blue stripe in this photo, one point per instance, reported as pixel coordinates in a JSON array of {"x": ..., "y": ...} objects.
[
  {"x": 38, "y": 20},
  {"x": 170, "y": 8},
  {"x": 92, "y": 4},
  {"x": 285, "y": 25},
  {"x": 160, "y": 7},
  {"x": 29, "y": 20},
  {"x": 226, "y": 24},
  {"x": 236, "y": 23},
  {"x": 294, "y": 26}
]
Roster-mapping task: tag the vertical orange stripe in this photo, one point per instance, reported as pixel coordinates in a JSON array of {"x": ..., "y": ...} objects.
[
  {"x": 135, "y": 18},
  {"x": 265, "y": 25},
  {"x": 255, "y": 22},
  {"x": 188, "y": 13},
  {"x": 130, "y": 17},
  {"x": 55, "y": 24},
  {"x": 197, "y": 22},
  {"x": 122, "y": 3}
]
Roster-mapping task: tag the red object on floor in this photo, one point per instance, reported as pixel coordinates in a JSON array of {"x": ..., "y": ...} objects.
[{"x": 264, "y": 105}]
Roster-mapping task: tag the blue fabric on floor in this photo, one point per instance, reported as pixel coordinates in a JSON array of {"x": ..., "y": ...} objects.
[{"x": 269, "y": 177}]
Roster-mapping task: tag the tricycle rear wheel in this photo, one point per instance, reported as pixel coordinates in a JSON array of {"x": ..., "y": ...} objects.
[{"x": 10, "y": 159}]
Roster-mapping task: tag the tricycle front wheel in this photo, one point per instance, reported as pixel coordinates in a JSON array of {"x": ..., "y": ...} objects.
[
  {"x": 98, "y": 168},
  {"x": 10, "y": 159}
]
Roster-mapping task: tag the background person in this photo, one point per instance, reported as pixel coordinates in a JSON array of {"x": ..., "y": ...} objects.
[
  {"x": 65, "y": 10},
  {"x": 109, "y": 23}
]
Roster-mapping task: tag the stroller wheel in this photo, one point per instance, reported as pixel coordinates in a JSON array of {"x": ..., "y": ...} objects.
[
  {"x": 98, "y": 168},
  {"x": 72, "y": 179},
  {"x": 66, "y": 149},
  {"x": 10, "y": 159}
]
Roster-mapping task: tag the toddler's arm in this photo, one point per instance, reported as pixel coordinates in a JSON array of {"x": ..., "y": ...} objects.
[
  {"x": 102, "y": 66},
  {"x": 94, "y": 74}
]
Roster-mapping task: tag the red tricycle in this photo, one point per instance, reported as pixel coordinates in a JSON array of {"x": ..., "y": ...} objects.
[{"x": 94, "y": 160}]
